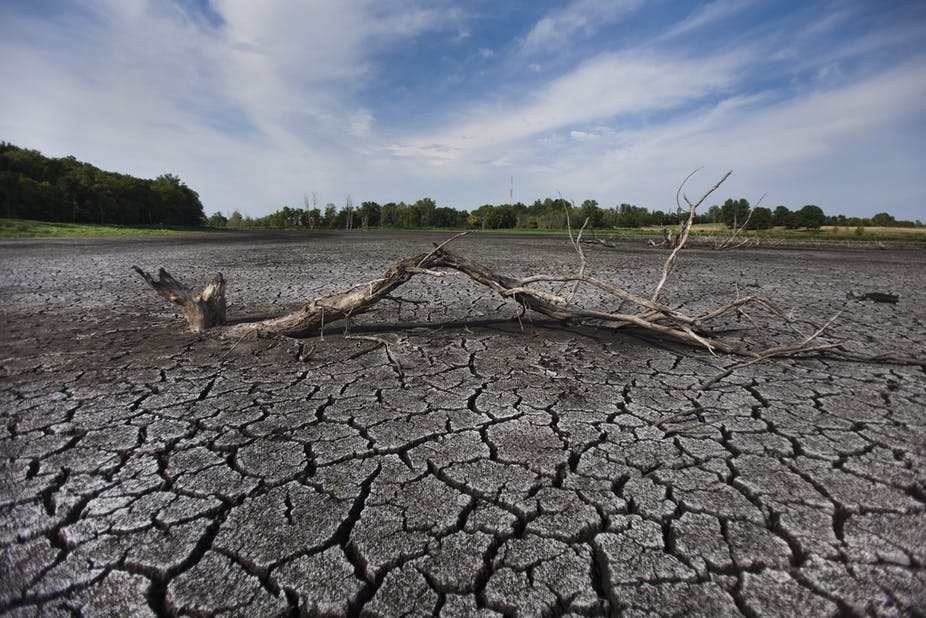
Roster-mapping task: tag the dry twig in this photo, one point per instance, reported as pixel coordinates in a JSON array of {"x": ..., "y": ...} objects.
[
  {"x": 685, "y": 230},
  {"x": 728, "y": 242}
]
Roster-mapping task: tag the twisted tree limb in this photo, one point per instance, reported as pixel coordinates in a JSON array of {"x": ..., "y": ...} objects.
[
  {"x": 654, "y": 317},
  {"x": 206, "y": 310}
]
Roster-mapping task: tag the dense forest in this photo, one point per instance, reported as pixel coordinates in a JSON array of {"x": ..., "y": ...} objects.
[{"x": 33, "y": 186}]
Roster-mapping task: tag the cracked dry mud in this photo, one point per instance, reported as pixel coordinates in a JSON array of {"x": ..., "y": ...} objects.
[{"x": 467, "y": 468}]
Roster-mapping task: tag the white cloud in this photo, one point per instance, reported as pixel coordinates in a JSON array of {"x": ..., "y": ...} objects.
[
  {"x": 866, "y": 46},
  {"x": 795, "y": 131},
  {"x": 836, "y": 148},
  {"x": 582, "y": 135},
  {"x": 608, "y": 86},
  {"x": 271, "y": 100},
  {"x": 292, "y": 64},
  {"x": 708, "y": 14},
  {"x": 579, "y": 17},
  {"x": 846, "y": 149},
  {"x": 244, "y": 110},
  {"x": 361, "y": 123}
]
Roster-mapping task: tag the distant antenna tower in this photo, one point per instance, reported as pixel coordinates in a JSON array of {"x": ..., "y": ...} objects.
[{"x": 511, "y": 189}]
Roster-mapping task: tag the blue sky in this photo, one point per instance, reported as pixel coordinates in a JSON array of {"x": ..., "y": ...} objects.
[{"x": 255, "y": 104}]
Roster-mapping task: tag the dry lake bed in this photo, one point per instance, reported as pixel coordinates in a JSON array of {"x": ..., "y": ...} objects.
[{"x": 445, "y": 458}]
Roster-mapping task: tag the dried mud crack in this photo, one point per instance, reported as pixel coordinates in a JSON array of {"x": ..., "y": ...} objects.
[{"x": 462, "y": 464}]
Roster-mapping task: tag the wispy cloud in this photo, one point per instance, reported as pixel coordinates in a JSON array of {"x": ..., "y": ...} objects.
[
  {"x": 774, "y": 146},
  {"x": 254, "y": 103},
  {"x": 151, "y": 88},
  {"x": 708, "y": 14},
  {"x": 609, "y": 86},
  {"x": 579, "y": 17}
]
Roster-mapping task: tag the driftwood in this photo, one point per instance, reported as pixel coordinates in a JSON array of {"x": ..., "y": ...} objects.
[
  {"x": 201, "y": 311},
  {"x": 206, "y": 310}
]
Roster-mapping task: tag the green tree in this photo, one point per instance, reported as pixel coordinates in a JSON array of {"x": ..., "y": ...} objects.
[
  {"x": 389, "y": 215},
  {"x": 423, "y": 211},
  {"x": 445, "y": 216},
  {"x": 780, "y": 216},
  {"x": 370, "y": 214},
  {"x": 734, "y": 212},
  {"x": 761, "y": 218},
  {"x": 235, "y": 221},
  {"x": 629, "y": 215},
  {"x": 331, "y": 215},
  {"x": 810, "y": 216},
  {"x": 503, "y": 216},
  {"x": 180, "y": 205},
  {"x": 496, "y": 217},
  {"x": 406, "y": 215},
  {"x": 217, "y": 219},
  {"x": 312, "y": 218},
  {"x": 65, "y": 189},
  {"x": 883, "y": 219},
  {"x": 591, "y": 212}
]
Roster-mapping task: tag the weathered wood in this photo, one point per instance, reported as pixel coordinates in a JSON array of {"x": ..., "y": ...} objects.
[
  {"x": 207, "y": 309},
  {"x": 201, "y": 311},
  {"x": 334, "y": 307}
]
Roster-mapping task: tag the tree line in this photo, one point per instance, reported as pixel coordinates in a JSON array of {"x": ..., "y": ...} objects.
[
  {"x": 425, "y": 213},
  {"x": 33, "y": 186},
  {"x": 546, "y": 214},
  {"x": 735, "y": 213}
]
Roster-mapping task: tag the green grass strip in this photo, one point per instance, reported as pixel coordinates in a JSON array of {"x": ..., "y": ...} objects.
[{"x": 24, "y": 228}]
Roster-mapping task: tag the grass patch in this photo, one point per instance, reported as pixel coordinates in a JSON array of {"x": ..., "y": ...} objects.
[
  {"x": 873, "y": 234},
  {"x": 24, "y": 228}
]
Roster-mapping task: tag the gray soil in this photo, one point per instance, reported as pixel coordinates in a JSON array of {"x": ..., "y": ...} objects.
[{"x": 469, "y": 467}]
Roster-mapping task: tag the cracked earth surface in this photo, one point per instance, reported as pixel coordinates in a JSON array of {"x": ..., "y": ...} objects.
[{"x": 466, "y": 468}]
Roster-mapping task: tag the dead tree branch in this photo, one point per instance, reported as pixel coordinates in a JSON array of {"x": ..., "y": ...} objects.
[
  {"x": 207, "y": 309},
  {"x": 201, "y": 311},
  {"x": 685, "y": 230},
  {"x": 729, "y": 242}
]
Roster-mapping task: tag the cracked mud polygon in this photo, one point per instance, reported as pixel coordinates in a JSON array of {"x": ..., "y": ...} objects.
[{"x": 454, "y": 461}]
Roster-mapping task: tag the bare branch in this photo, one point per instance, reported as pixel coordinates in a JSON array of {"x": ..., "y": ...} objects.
[
  {"x": 207, "y": 309},
  {"x": 444, "y": 244},
  {"x": 686, "y": 230},
  {"x": 583, "y": 263},
  {"x": 727, "y": 242}
]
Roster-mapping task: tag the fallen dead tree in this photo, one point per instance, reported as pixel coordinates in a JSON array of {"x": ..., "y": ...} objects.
[{"x": 206, "y": 310}]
